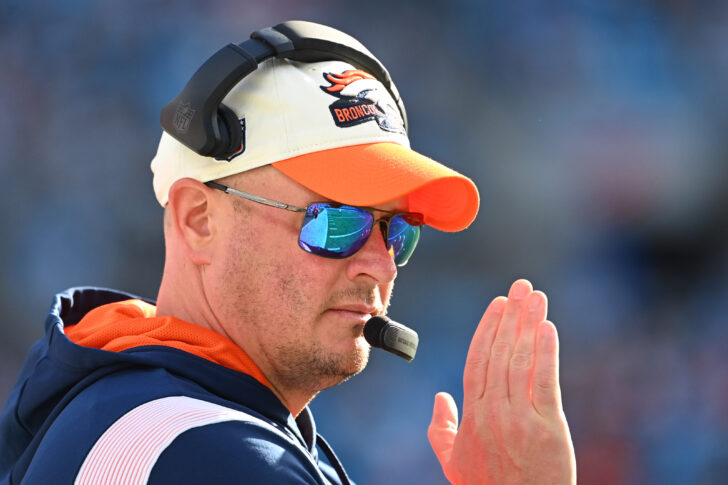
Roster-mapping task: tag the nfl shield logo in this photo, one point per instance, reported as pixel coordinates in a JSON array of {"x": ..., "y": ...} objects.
[{"x": 182, "y": 117}]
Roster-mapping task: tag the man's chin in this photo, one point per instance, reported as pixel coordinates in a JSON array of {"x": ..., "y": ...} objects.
[
  {"x": 349, "y": 365},
  {"x": 315, "y": 370}
]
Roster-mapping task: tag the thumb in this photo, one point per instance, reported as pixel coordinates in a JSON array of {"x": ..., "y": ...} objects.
[{"x": 443, "y": 427}]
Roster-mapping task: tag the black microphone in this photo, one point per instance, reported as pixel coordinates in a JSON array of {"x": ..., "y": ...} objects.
[{"x": 384, "y": 333}]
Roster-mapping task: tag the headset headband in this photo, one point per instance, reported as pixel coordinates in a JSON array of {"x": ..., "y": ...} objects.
[{"x": 198, "y": 119}]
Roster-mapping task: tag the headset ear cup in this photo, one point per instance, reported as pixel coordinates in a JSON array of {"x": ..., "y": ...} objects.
[{"x": 231, "y": 137}]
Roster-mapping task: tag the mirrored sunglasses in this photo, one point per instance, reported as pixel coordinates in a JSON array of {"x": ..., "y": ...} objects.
[{"x": 338, "y": 231}]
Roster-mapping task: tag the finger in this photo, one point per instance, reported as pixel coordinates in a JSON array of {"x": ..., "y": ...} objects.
[
  {"x": 496, "y": 382},
  {"x": 521, "y": 364},
  {"x": 443, "y": 427},
  {"x": 476, "y": 364},
  {"x": 546, "y": 393}
]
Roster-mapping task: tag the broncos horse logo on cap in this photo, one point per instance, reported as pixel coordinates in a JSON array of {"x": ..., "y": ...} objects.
[{"x": 361, "y": 98}]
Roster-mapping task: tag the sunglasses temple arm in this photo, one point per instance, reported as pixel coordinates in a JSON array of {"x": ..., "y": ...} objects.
[{"x": 255, "y": 198}]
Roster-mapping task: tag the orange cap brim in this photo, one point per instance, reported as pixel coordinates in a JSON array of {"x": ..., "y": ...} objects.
[{"x": 375, "y": 173}]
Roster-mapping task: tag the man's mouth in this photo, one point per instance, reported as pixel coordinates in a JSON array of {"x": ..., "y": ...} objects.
[{"x": 359, "y": 312}]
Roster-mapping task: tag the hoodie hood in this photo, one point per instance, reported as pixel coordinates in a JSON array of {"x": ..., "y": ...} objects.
[{"x": 129, "y": 324}]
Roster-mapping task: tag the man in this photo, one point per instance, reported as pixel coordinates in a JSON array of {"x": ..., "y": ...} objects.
[{"x": 277, "y": 255}]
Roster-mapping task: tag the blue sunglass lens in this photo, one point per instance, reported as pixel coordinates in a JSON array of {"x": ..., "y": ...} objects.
[
  {"x": 339, "y": 231},
  {"x": 403, "y": 237},
  {"x": 335, "y": 232}
]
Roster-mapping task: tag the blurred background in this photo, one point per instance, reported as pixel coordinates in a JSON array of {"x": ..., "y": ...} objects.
[{"x": 595, "y": 130}]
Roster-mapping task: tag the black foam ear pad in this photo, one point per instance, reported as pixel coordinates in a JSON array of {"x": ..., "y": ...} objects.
[{"x": 228, "y": 125}]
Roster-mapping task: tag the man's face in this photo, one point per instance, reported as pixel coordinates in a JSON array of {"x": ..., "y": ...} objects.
[{"x": 299, "y": 316}]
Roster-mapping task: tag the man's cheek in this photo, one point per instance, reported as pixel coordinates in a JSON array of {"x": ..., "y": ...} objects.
[
  {"x": 297, "y": 290},
  {"x": 385, "y": 292}
]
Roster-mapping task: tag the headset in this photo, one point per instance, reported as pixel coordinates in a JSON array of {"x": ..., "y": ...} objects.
[{"x": 198, "y": 119}]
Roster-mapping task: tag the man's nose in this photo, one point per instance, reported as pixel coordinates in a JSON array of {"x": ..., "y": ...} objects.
[{"x": 374, "y": 259}]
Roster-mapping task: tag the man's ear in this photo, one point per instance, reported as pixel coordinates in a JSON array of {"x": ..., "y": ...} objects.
[{"x": 192, "y": 219}]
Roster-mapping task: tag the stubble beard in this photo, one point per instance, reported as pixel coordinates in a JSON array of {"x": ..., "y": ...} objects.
[
  {"x": 311, "y": 366},
  {"x": 307, "y": 366}
]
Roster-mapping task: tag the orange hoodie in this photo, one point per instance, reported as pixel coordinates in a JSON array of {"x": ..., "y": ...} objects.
[{"x": 134, "y": 323}]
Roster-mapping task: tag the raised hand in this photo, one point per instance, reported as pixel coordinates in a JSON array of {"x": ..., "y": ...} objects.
[{"x": 513, "y": 429}]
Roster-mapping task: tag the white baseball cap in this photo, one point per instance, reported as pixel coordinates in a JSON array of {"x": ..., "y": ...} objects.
[{"x": 335, "y": 130}]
